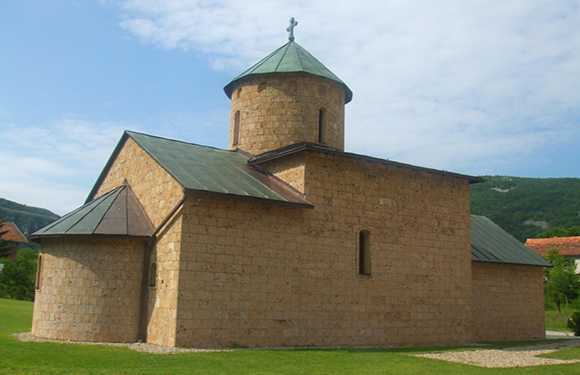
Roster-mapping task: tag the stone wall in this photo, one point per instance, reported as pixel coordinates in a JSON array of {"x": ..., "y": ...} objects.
[
  {"x": 162, "y": 309},
  {"x": 89, "y": 289},
  {"x": 156, "y": 190},
  {"x": 508, "y": 302},
  {"x": 290, "y": 170},
  {"x": 159, "y": 193},
  {"x": 265, "y": 275},
  {"x": 282, "y": 109}
]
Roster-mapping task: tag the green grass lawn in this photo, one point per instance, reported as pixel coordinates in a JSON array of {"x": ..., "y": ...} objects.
[
  {"x": 556, "y": 321},
  {"x": 50, "y": 358}
]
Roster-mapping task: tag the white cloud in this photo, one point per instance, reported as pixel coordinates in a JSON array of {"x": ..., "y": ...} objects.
[
  {"x": 54, "y": 166},
  {"x": 67, "y": 139},
  {"x": 439, "y": 83}
]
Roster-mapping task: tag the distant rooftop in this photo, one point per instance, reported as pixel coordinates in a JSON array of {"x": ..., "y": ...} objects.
[
  {"x": 13, "y": 233},
  {"x": 569, "y": 246}
]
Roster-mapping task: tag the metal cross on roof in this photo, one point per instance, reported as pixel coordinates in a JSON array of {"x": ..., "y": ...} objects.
[{"x": 290, "y": 29}]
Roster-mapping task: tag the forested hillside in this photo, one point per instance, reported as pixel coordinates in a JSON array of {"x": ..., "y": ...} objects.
[
  {"x": 28, "y": 219},
  {"x": 522, "y": 206},
  {"x": 527, "y": 206}
]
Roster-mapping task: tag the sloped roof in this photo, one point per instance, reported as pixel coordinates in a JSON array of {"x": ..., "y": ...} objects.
[
  {"x": 12, "y": 232},
  {"x": 308, "y": 146},
  {"x": 569, "y": 246},
  {"x": 210, "y": 170},
  {"x": 490, "y": 243},
  {"x": 117, "y": 213},
  {"x": 291, "y": 57}
]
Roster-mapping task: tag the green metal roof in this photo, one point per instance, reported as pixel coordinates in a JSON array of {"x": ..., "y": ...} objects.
[
  {"x": 117, "y": 213},
  {"x": 291, "y": 57},
  {"x": 309, "y": 146},
  {"x": 210, "y": 170},
  {"x": 490, "y": 243}
]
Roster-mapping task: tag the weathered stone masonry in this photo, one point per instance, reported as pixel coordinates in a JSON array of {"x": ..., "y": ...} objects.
[
  {"x": 278, "y": 110},
  {"x": 262, "y": 275},
  {"x": 508, "y": 302},
  {"x": 89, "y": 289}
]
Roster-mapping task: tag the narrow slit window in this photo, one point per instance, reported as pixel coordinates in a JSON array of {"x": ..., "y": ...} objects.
[
  {"x": 236, "y": 128},
  {"x": 152, "y": 274},
  {"x": 364, "y": 253},
  {"x": 321, "y": 126},
  {"x": 38, "y": 273}
]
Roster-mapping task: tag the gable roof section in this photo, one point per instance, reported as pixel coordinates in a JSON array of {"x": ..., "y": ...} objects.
[
  {"x": 12, "y": 234},
  {"x": 490, "y": 243},
  {"x": 308, "y": 146},
  {"x": 209, "y": 170},
  {"x": 289, "y": 58},
  {"x": 569, "y": 246},
  {"x": 117, "y": 213}
]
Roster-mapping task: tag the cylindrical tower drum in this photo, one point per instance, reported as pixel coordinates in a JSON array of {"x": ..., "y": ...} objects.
[{"x": 270, "y": 111}]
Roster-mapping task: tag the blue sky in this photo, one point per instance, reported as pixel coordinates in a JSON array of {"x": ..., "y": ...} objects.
[{"x": 478, "y": 87}]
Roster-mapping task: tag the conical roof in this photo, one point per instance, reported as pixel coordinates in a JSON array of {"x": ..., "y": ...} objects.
[
  {"x": 289, "y": 58},
  {"x": 117, "y": 213}
]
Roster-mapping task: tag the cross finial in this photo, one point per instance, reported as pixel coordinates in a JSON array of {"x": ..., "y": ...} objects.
[{"x": 290, "y": 29}]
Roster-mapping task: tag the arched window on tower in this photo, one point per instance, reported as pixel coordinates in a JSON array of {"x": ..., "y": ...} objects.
[
  {"x": 322, "y": 125},
  {"x": 364, "y": 253},
  {"x": 236, "y": 128}
]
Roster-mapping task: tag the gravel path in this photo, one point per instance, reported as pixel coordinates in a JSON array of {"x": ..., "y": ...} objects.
[{"x": 510, "y": 357}]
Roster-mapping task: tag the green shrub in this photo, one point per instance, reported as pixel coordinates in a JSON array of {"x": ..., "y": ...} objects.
[
  {"x": 574, "y": 323},
  {"x": 17, "y": 278}
]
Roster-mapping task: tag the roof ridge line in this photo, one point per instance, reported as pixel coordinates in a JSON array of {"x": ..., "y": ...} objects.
[
  {"x": 130, "y": 132},
  {"x": 102, "y": 198},
  {"x": 287, "y": 45},
  {"x": 298, "y": 56}
]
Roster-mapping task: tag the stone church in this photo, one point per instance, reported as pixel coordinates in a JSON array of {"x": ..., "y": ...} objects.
[{"x": 284, "y": 239}]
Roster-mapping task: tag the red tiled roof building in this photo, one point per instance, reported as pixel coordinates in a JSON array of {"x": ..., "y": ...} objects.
[
  {"x": 13, "y": 235},
  {"x": 569, "y": 246}
]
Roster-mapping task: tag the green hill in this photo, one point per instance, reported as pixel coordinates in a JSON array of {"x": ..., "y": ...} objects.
[
  {"x": 522, "y": 206},
  {"x": 527, "y": 206},
  {"x": 28, "y": 219}
]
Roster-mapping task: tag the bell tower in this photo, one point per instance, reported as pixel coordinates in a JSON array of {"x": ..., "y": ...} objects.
[{"x": 286, "y": 98}]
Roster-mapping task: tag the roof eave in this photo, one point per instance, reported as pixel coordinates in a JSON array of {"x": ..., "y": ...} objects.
[
  {"x": 229, "y": 88},
  {"x": 512, "y": 263},
  {"x": 303, "y": 204},
  {"x": 38, "y": 238},
  {"x": 307, "y": 146}
]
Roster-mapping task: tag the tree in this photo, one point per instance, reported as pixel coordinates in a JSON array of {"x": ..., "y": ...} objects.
[
  {"x": 17, "y": 278},
  {"x": 560, "y": 232},
  {"x": 562, "y": 284}
]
